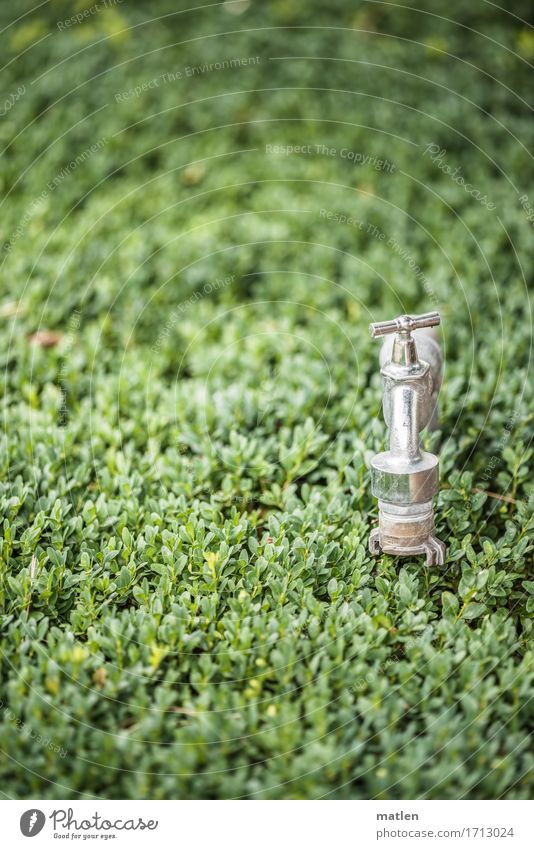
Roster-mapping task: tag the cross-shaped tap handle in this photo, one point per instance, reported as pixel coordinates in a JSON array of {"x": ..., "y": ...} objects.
[{"x": 404, "y": 324}]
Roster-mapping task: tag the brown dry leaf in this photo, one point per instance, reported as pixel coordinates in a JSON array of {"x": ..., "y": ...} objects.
[
  {"x": 11, "y": 308},
  {"x": 45, "y": 338},
  {"x": 193, "y": 174},
  {"x": 99, "y": 676}
]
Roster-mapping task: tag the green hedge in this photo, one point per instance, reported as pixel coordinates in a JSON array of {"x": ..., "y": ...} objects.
[{"x": 191, "y": 399}]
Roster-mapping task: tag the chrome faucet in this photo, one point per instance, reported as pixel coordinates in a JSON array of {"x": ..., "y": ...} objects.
[{"x": 405, "y": 478}]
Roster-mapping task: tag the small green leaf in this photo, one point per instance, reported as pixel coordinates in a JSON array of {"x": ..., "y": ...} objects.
[
  {"x": 450, "y": 603},
  {"x": 473, "y": 610},
  {"x": 123, "y": 578}
]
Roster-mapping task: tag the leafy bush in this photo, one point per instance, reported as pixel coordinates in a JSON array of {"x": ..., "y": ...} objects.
[{"x": 191, "y": 398}]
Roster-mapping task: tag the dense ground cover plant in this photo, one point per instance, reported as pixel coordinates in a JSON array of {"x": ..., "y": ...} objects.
[{"x": 201, "y": 213}]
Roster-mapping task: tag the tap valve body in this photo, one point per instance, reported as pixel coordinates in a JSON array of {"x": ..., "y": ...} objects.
[{"x": 405, "y": 478}]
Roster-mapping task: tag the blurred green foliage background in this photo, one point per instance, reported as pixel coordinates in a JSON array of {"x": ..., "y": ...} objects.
[{"x": 202, "y": 210}]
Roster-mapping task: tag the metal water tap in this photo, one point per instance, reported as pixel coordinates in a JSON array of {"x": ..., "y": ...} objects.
[{"x": 405, "y": 478}]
